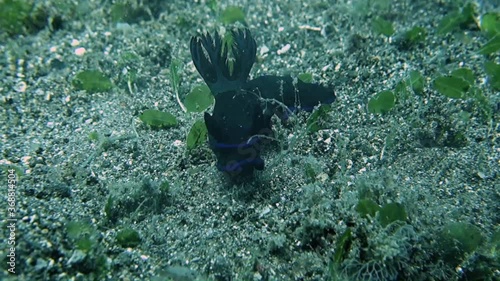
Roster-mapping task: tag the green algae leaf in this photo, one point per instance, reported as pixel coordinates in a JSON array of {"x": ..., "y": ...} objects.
[
  {"x": 128, "y": 238},
  {"x": 416, "y": 81},
  {"x": 118, "y": 12},
  {"x": 464, "y": 73},
  {"x": 492, "y": 68},
  {"x": 491, "y": 46},
  {"x": 469, "y": 13},
  {"x": 315, "y": 121},
  {"x": 463, "y": 18},
  {"x": 402, "y": 90},
  {"x": 392, "y": 212},
  {"x": 342, "y": 246},
  {"x": 483, "y": 103},
  {"x": 382, "y": 26},
  {"x": 310, "y": 172},
  {"x": 74, "y": 229},
  {"x": 490, "y": 24},
  {"x": 14, "y": 15},
  {"x": 175, "y": 79},
  {"x": 82, "y": 234},
  {"x": 212, "y": 4},
  {"x": 232, "y": 14},
  {"x": 457, "y": 239},
  {"x": 94, "y": 136},
  {"x": 415, "y": 35},
  {"x": 122, "y": 12},
  {"x": 197, "y": 135},
  {"x": 367, "y": 207},
  {"x": 495, "y": 242},
  {"x": 92, "y": 81},
  {"x": 159, "y": 119},
  {"x": 85, "y": 243},
  {"x": 452, "y": 87},
  {"x": 108, "y": 208},
  {"x": 199, "y": 99},
  {"x": 382, "y": 102},
  {"x": 493, "y": 71},
  {"x": 306, "y": 77},
  {"x": 449, "y": 22}
]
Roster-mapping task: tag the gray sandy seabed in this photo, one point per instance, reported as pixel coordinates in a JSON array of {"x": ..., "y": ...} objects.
[{"x": 88, "y": 168}]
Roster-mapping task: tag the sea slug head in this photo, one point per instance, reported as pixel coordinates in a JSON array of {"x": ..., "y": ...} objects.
[{"x": 237, "y": 129}]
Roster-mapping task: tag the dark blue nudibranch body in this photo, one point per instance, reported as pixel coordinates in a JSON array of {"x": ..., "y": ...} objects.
[{"x": 243, "y": 109}]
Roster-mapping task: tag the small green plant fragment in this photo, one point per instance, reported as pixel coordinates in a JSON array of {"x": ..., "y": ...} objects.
[
  {"x": 306, "y": 77},
  {"x": 197, "y": 135},
  {"x": 495, "y": 243},
  {"x": 82, "y": 235},
  {"x": 367, "y": 208},
  {"x": 415, "y": 35},
  {"x": 84, "y": 243},
  {"x": 232, "y": 14},
  {"x": 464, "y": 73},
  {"x": 26, "y": 17},
  {"x": 128, "y": 238},
  {"x": 493, "y": 71},
  {"x": 92, "y": 81},
  {"x": 165, "y": 187},
  {"x": 483, "y": 104},
  {"x": 382, "y": 102},
  {"x": 159, "y": 119},
  {"x": 412, "y": 37},
  {"x": 123, "y": 12},
  {"x": 310, "y": 172},
  {"x": 401, "y": 90},
  {"x": 76, "y": 228},
  {"x": 315, "y": 122},
  {"x": 483, "y": 264},
  {"x": 449, "y": 22},
  {"x": 416, "y": 81},
  {"x": 458, "y": 19},
  {"x": 13, "y": 14},
  {"x": 457, "y": 240},
  {"x": 109, "y": 206},
  {"x": 383, "y": 27},
  {"x": 469, "y": 13},
  {"x": 491, "y": 46},
  {"x": 392, "y": 212},
  {"x": 110, "y": 209},
  {"x": 227, "y": 43},
  {"x": 342, "y": 246},
  {"x": 452, "y": 87},
  {"x": 490, "y": 24},
  {"x": 212, "y": 5},
  {"x": 118, "y": 12},
  {"x": 199, "y": 99},
  {"x": 390, "y": 140},
  {"x": 94, "y": 136},
  {"x": 175, "y": 81},
  {"x": 129, "y": 58}
]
